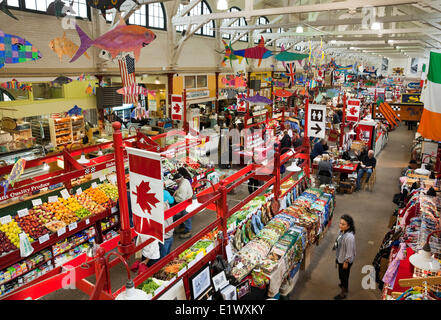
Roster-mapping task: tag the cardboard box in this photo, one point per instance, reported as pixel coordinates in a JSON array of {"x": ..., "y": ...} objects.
[{"x": 307, "y": 254}]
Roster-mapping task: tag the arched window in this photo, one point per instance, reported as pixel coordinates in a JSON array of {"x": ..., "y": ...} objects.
[
  {"x": 79, "y": 6},
  {"x": 279, "y": 44},
  {"x": 201, "y": 8},
  {"x": 151, "y": 16},
  {"x": 261, "y": 21},
  {"x": 238, "y": 23}
]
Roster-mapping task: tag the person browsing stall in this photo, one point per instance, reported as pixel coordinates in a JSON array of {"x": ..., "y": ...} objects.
[
  {"x": 183, "y": 193},
  {"x": 367, "y": 165},
  {"x": 324, "y": 172},
  {"x": 319, "y": 148}
]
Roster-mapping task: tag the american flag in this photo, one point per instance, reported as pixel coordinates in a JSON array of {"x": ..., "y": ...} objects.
[{"x": 127, "y": 70}]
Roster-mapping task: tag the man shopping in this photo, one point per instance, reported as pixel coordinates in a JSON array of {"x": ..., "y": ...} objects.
[{"x": 367, "y": 165}]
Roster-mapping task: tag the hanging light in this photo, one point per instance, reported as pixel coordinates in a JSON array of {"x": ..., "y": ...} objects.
[
  {"x": 376, "y": 26},
  {"x": 100, "y": 153},
  {"x": 299, "y": 29},
  {"x": 352, "y": 132},
  {"x": 293, "y": 167},
  {"x": 45, "y": 166},
  {"x": 194, "y": 204},
  {"x": 131, "y": 293},
  {"x": 83, "y": 159},
  {"x": 157, "y": 81},
  {"x": 222, "y": 5},
  {"x": 333, "y": 41}
]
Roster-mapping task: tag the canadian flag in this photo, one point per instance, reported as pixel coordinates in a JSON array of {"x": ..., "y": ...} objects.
[
  {"x": 353, "y": 110},
  {"x": 177, "y": 107},
  {"x": 146, "y": 192}
]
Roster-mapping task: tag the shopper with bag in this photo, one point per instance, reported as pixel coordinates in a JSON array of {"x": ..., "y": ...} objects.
[
  {"x": 345, "y": 253},
  {"x": 183, "y": 193}
]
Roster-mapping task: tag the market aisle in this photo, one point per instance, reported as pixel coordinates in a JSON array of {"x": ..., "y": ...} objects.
[{"x": 371, "y": 212}]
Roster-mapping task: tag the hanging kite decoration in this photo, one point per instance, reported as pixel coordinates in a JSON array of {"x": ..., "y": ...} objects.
[
  {"x": 75, "y": 111},
  {"x": 14, "y": 49},
  {"x": 59, "y": 9},
  {"x": 234, "y": 81},
  {"x": 291, "y": 74},
  {"x": 91, "y": 91},
  {"x": 4, "y": 8},
  {"x": 286, "y": 56},
  {"x": 60, "y": 80},
  {"x": 15, "y": 85},
  {"x": 282, "y": 93},
  {"x": 104, "y": 5},
  {"x": 258, "y": 52},
  {"x": 122, "y": 38},
  {"x": 64, "y": 46},
  {"x": 258, "y": 100},
  {"x": 16, "y": 172},
  {"x": 135, "y": 91}
]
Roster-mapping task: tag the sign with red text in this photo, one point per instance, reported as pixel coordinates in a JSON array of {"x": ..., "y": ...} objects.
[
  {"x": 146, "y": 193},
  {"x": 353, "y": 110}
]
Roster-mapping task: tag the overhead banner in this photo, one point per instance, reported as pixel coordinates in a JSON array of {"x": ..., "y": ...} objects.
[
  {"x": 146, "y": 192},
  {"x": 316, "y": 121},
  {"x": 353, "y": 110},
  {"x": 177, "y": 107}
]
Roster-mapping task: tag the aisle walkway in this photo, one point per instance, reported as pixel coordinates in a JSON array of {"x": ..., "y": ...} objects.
[{"x": 371, "y": 212}]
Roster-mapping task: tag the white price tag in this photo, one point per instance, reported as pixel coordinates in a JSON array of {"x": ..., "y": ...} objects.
[
  {"x": 182, "y": 271},
  {"x": 102, "y": 178},
  {"x": 172, "y": 279},
  {"x": 44, "y": 238},
  {"x": 94, "y": 185},
  {"x": 61, "y": 231},
  {"x": 73, "y": 226},
  {"x": 114, "y": 210},
  {"x": 191, "y": 263},
  {"x": 79, "y": 191},
  {"x": 229, "y": 253},
  {"x": 209, "y": 248},
  {"x": 22, "y": 213},
  {"x": 5, "y": 219},
  {"x": 112, "y": 179},
  {"x": 53, "y": 199},
  {"x": 149, "y": 296},
  {"x": 65, "y": 194},
  {"x": 37, "y": 202},
  {"x": 87, "y": 221},
  {"x": 199, "y": 256},
  {"x": 239, "y": 265},
  {"x": 159, "y": 290}
]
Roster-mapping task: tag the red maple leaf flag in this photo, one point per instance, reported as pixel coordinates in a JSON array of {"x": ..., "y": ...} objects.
[
  {"x": 353, "y": 110},
  {"x": 146, "y": 192},
  {"x": 177, "y": 107}
]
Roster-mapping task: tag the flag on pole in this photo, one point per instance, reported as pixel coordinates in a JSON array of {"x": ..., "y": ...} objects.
[
  {"x": 423, "y": 76},
  {"x": 127, "y": 71},
  {"x": 146, "y": 192},
  {"x": 430, "y": 123},
  {"x": 177, "y": 107}
]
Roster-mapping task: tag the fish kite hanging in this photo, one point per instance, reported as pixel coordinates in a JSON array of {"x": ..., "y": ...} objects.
[
  {"x": 286, "y": 56},
  {"x": 75, "y": 111},
  {"x": 122, "y": 38},
  {"x": 258, "y": 100},
  {"x": 258, "y": 52},
  {"x": 282, "y": 93},
  {"x": 64, "y": 46},
  {"x": 135, "y": 91},
  {"x": 14, "y": 84},
  {"x": 4, "y": 8},
  {"x": 14, "y": 49},
  {"x": 59, "y": 9},
  {"x": 16, "y": 172},
  {"x": 104, "y": 5},
  {"x": 60, "y": 80},
  {"x": 90, "y": 90}
]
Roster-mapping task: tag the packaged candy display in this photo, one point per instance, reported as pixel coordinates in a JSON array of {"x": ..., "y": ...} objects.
[{"x": 70, "y": 254}]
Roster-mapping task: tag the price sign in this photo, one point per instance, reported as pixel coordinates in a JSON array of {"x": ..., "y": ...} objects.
[
  {"x": 61, "y": 231},
  {"x": 73, "y": 226},
  {"x": 53, "y": 199},
  {"x": 22, "y": 213},
  {"x": 37, "y": 202},
  {"x": 159, "y": 290},
  {"x": 181, "y": 272},
  {"x": 5, "y": 219},
  {"x": 94, "y": 185},
  {"x": 199, "y": 256},
  {"x": 209, "y": 248},
  {"x": 102, "y": 178},
  {"x": 65, "y": 194},
  {"x": 44, "y": 238},
  {"x": 112, "y": 179},
  {"x": 79, "y": 191},
  {"x": 114, "y": 210},
  {"x": 192, "y": 263},
  {"x": 87, "y": 221},
  {"x": 229, "y": 253}
]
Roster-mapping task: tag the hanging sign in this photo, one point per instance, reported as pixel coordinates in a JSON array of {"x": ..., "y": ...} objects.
[
  {"x": 353, "y": 110},
  {"x": 316, "y": 121},
  {"x": 177, "y": 108},
  {"x": 146, "y": 192}
]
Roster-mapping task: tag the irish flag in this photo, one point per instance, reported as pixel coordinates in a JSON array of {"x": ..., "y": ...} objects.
[{"x": 430, "y": 123}]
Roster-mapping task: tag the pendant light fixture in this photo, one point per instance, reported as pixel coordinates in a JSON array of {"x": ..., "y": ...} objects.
[
  {"x": 83, "y": 159},
  {"x": 423, "y": 259},
  {"x": 194, "y": 204},
  {"x": 222, "y": 5},
  {"x": 293, "y": 167},
  {"x": 299, "y": 28}
]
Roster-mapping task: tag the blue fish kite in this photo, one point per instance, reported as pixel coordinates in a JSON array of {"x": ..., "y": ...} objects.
[
  {"x": 75, "y": 111},
  {"x": 14, "y": 49}
]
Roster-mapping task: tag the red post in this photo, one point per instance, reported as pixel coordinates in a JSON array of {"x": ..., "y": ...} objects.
[
  {"x": 343, "y": 121},
  {"x": 126, "y": 245},
  {"x": 217, "y": 93},
  {"x": 222, "y": 210},
  {"x": 185, "y": 126},
  {"x": 306, "y": 143},
  {"x": 277, "y": 175}
]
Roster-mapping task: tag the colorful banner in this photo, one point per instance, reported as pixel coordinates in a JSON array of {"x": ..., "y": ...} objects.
[
  {"x": 364, "y": 133},
  {"x": 146, "y": 193},
  {"x": 353, "y": 110}
]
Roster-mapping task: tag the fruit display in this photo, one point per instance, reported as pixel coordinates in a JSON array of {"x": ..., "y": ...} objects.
[
  {"x": 12, "y": 230},
  {"x": 89, "y": 204},
  {"x": 31, "y": 226},
  {"x": 71, "y": 203},
  {"x": 5, "y": 244},
  {"x": 61, "y": 213},
  {"x": 83, "y": 213},
  {"x": 110, "y": 190},
  {"x": 42, "y": 213},
  {"x": 97, "y": 195}
]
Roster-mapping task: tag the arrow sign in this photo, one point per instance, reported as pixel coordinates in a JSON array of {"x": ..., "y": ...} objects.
[{"x": 316, "y": 128}]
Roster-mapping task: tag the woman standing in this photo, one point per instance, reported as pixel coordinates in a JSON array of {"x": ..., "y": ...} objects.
[{"x": 345, "y": 253}]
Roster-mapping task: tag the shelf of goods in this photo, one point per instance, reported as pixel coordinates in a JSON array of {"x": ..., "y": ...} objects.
[
  {"x": 52, "y": 232},
  {"x": 420, "y": 216},
  {"x": 66, "y": 130},
  {"x": 268, "y": 249}
]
